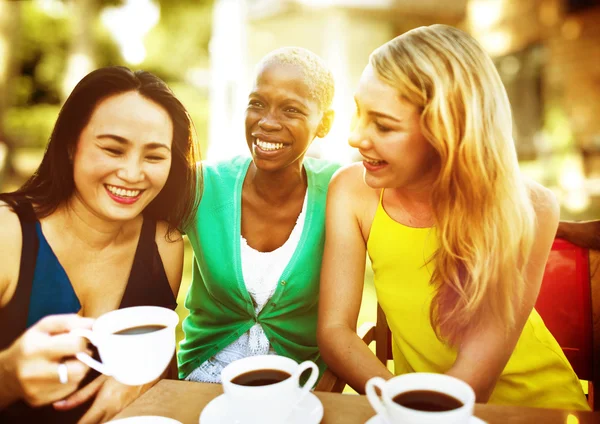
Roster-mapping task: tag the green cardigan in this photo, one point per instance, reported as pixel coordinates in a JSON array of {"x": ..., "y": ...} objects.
[{"x": 221, "y": 310}]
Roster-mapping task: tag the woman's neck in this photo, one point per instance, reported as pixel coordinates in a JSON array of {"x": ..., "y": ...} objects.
[
  {"x": 279, "y": 186},
  {"x": 415, "y": 205},
  {"x": 420, "y": 199},
  {"x": 77, "y": 221}
]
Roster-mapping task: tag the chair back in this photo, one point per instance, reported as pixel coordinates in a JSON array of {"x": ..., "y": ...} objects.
[{"x": 565, "y": 304}]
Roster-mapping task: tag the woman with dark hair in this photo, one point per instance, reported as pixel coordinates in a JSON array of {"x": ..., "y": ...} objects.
[{"x": 93, "y": 230}]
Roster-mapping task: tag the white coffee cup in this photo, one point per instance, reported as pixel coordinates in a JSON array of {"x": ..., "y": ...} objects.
[
  {"x": 132, "y": 359},
  {"x": 268, "y": 404},
  {"x": 394, "y": 413}
]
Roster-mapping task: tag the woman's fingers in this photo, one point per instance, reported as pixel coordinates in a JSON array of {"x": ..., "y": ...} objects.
[
  {"x": 49, "y": 373},
  {"x": 42, "y": 366},
  {"x": 63, "y": 345},
  {"x": 41, "y": 381},
  {"x": 76, "y": 371},
  {"x": 56, "y": 324},
  {"x": 80, "y": 396}
]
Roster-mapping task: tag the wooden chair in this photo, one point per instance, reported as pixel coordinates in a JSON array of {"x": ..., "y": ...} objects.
[{"x": 569, "y": 303}]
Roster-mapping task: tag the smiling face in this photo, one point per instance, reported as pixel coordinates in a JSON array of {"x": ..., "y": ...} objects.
[
  {"x": 388, "y": 135},
  {"x": 123, "y": 156},
  {"x": 282, "y": 119}
]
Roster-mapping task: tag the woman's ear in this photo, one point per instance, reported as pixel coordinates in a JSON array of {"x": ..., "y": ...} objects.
[{"x": 325, "y": 124}]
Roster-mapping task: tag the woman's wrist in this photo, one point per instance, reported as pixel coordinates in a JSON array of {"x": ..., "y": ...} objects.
[{"x": 9, "y": 392}]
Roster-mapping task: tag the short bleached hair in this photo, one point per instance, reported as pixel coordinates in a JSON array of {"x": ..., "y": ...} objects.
[{"x": 317, "y": 75}]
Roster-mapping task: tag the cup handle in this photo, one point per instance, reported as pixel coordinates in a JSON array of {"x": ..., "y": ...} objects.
[
  {"x": 373, "y": 397},
  {"x": 314, "y": 374},
  {"x": 84, "y": 357}
]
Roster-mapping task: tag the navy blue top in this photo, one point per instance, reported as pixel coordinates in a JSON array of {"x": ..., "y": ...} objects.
[
  {"x": 51, "y": 292},
  {"x": 44, "y": 289}
]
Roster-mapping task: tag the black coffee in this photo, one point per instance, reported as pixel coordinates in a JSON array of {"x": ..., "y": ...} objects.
[
  {"x": 427, "y": 400},
  {"x": 260, "y": 377},
  {"x": 141, "y": 329}
]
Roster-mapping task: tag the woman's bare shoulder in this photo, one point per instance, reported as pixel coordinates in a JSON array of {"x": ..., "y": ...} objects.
[
  {"x": 10, "y": 251},
  {"x": 350, "y": 180},
  {"x": 10, "y": 227},
  {"x": 350, "y": 173},
  {"x": 351, "y": 196},
  {"x": 543, "y": 200}
]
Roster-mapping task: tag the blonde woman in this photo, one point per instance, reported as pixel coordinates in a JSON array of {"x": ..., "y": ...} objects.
[{"x": 458, "y": 239}]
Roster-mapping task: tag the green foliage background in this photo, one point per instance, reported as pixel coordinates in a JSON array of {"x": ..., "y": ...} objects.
[{"x": 178, "y": 42}]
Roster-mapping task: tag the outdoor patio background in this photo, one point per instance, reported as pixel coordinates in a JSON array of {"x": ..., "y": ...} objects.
[{"x": 547, "y": 52}]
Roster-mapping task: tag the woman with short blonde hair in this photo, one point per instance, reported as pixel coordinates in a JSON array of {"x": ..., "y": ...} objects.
[
  {"x": 259, "y": 231},
  {"x": 458, "y": 238}
]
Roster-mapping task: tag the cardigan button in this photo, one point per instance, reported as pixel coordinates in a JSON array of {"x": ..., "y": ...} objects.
[{"x": 283, "y": 283}]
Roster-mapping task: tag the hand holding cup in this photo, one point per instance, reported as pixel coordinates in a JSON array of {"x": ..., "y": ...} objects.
[
  {"x": 39, "y": 367},
  {"x": 135, "y": 344}
]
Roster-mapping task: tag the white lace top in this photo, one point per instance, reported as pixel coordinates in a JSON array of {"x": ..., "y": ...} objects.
[{"x": 261, "y": 271}]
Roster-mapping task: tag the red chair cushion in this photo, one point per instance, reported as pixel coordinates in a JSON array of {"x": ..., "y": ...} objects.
[{"x": 564, "y": 304}]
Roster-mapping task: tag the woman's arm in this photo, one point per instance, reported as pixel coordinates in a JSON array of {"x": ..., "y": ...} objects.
[
  {"x": 483, "y": 355},
  {"x": 585, "y": 234},
  {"x": 342, "y": 281}
]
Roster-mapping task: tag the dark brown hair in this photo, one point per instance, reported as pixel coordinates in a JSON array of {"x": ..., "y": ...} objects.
[{"x": 52, "y": 183}]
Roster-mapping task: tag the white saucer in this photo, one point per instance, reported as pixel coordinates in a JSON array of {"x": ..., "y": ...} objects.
[
  {"x": 378, "y": 420},
  {"x": 309, "y": 411},
  {"x": 145, "y": 419}
]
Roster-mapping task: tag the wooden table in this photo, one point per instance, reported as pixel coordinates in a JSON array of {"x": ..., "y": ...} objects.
[{"x": 183, "y": 401}]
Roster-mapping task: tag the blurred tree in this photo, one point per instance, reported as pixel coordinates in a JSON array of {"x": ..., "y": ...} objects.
[
  {"x": 180, "y": 40},
  {"x": 58, "y": 36},
  {"x": 9, "y": 30},
  {"x": 176, "y": 48},
  {"x": 42, "y": 51},
  {"x": 82, "y": 47},
  {"x": 49, "y": 36}
]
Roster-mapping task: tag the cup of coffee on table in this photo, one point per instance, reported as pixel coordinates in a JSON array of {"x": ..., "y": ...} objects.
[
  {"x": 135, "y": 344},
  {"x": 265, "y": 389},
  {"x": 422, "y": 398}
]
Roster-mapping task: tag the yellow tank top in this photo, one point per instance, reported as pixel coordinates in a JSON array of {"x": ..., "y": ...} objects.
[{"x": 538, "y": 374}]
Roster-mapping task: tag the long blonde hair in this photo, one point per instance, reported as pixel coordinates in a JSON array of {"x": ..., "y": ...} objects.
[{"x": 482, "y": 210}]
